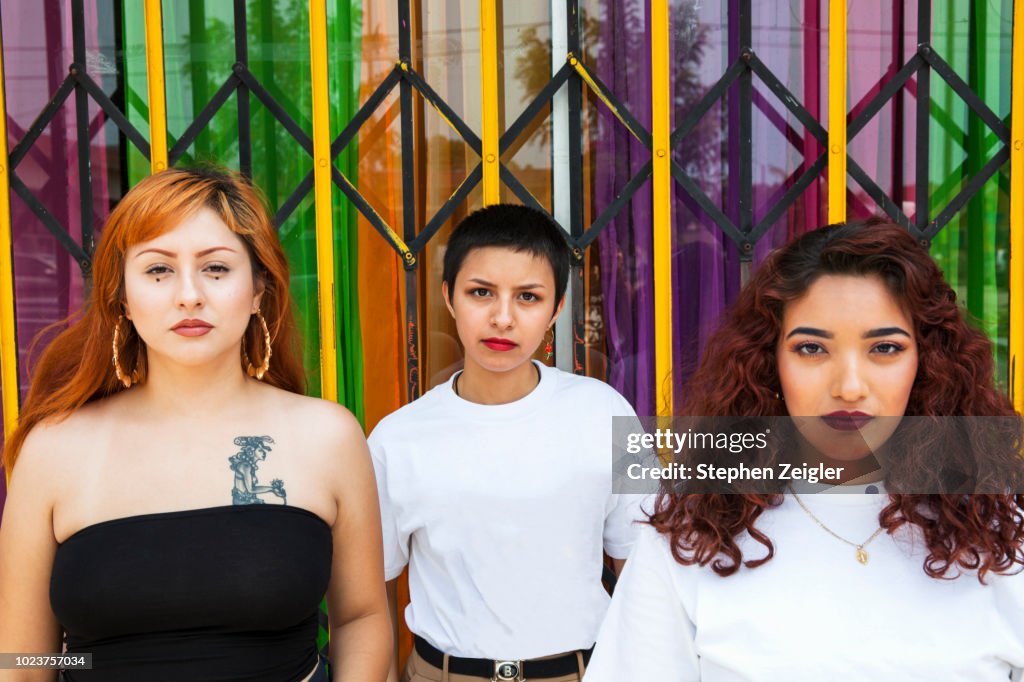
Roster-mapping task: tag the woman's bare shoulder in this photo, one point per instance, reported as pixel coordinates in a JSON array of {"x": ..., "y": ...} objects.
[
  {"x": 63, "y": 439},
  {"x": 323, "y": 420}
]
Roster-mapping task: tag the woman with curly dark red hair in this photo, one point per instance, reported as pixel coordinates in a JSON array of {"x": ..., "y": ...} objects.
[{"x": 843, "y": 326}]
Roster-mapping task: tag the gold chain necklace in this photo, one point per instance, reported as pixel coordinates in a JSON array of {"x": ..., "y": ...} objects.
[{"x": 862, "y": 554}]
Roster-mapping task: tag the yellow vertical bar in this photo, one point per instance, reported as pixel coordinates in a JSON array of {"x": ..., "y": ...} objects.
[
  {"x": 8, "y": 335},
  {"x": 837, "y": 111},
  {"x": 322, "y": 196},
  {"x": 157, "y": 90},
  {"x": 661, "y": 112},
  {"x": 1017, "y": 210},
  {"x": 489, "y": 93}
]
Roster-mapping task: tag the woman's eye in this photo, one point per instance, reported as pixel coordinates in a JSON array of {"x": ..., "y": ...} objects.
[
  {"x": 529, "y": 296},
  {"x": 480, "y": 292},
  {"x": 887, "y": 348},
  {"x": 217, "y": 268},
  {"x": 810, "y": 348},
  {"x": 158, "y": 270}
]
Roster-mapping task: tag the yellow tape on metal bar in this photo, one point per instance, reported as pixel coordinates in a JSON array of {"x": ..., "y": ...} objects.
[
  {"x": 1016, "y": 378},
  {"x": 157, "y": 89},
  {"x": 592, "y": 84},
  {"x": 837, "y": 111},
  {"x": 322, "y": 197},
  {"x": 489, "y": 91},
  {"x": 661, "y": 112},
  {"x": 8, "y": 334}
]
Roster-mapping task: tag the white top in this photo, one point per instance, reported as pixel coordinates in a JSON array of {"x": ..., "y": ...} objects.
[
  {"x": 502, "y": 513},
  {"x": 812, "y": 613}
]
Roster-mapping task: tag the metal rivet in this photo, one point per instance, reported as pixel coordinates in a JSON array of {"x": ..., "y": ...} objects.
[
  {"x": 1018, "y": 145},
  {"x": 490, "y": 158},
  {"x": 661, "y": 153},
  {"x": 2, "y": 169},
  {"x": 747, "y": 247},
  {"x": 836, "y": 149},
  {"x": 572, "y": 61},
  {"x": 322, "y": 163}
]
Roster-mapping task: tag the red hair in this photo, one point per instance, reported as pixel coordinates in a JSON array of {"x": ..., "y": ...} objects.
[
  {"x": 76, "y": 367},
  {"x": 738, "y": 377}
]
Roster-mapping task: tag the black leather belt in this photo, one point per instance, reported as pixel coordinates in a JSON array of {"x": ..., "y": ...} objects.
[{"x": 507, "y": 670}]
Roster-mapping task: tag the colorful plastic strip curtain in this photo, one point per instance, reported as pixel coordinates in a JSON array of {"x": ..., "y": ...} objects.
[
  {"x": 200, "y": 52},
  {"x": 973, "y": 249},
  {"x": 380, "y": 279},
  {"x": 38, "y": 49}
]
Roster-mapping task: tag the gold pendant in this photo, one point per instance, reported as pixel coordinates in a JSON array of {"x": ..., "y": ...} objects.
[{"x": 862, "y": 556}]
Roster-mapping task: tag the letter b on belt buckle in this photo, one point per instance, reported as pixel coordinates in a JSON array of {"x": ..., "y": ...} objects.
[{"x": 508, "y": 671}]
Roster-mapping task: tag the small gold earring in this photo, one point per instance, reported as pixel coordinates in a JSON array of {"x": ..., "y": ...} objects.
[{"x": 259, "y": 372}]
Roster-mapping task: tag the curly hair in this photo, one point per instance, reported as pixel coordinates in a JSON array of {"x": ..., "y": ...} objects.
[{"x": 737, "y": 374}]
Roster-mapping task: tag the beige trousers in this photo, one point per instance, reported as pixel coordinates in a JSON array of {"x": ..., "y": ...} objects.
[{"x": 418, "y": 670}]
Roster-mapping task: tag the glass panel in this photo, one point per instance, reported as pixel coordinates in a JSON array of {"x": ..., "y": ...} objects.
[{"x": 38, "y": 52}]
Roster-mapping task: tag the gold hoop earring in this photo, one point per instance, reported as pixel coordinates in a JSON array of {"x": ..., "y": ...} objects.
[
  {"x": 126, "y": 379},
  {"x": 251, "y": 370}
]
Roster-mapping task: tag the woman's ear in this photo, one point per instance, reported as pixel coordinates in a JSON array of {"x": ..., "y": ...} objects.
[
  {"x": 558, "y": 311},
  {"x": 259, "y": 288},
  {"x": 446, "y": 294}
]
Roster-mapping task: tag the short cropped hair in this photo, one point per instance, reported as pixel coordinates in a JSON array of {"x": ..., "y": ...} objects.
[{"x": 510, "y": 226}]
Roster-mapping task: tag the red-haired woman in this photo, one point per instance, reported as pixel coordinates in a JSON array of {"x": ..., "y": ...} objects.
[
  {"x": 177, "y": 507},
  {"x": 841, "y": 327}
]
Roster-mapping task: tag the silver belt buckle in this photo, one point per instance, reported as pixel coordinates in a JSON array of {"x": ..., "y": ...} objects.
[{"x": 508, "y": 671}]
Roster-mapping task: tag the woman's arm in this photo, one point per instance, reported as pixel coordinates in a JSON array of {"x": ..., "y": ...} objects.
[
  {"x": 392, "y": 588},
  {"x": 27, "y": 548},
  {"x": 361, "y": 646}
]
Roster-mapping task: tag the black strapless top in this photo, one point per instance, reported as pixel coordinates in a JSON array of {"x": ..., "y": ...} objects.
[{"x": 224, "y": 593}]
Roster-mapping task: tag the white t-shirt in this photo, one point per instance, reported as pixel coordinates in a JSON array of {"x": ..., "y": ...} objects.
[
  {"x": 502, "y": 513},
  {"x": 812, "y": 613}
]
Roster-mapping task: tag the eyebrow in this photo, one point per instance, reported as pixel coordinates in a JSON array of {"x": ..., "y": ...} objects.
[
  {"x": 484, "y": 282},
  {"x": 870, "y": 334},
  {"x": 200, "y": 254}
]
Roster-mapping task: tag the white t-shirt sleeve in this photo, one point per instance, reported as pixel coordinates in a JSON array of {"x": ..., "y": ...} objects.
[
  {"x": 624, "y": 510},
  {"x": 396, "y": 545},
  {"x": 1011, "y": 602},
  {"x": 621, "y": 523},
  {"x": 646, "y": 634}
]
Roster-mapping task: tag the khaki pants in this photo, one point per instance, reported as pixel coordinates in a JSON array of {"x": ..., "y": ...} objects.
[{"x": 418, "y": 670}]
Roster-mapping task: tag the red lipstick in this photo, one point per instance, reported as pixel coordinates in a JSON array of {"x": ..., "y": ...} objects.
[
  {"x": 842, "y": 420},
  {"x": 192, "y": 327},
  {"x": 499, "y": 344}
]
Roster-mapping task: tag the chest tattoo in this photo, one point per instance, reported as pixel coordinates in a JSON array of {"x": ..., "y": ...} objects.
[{"x": 245, "y": 463}]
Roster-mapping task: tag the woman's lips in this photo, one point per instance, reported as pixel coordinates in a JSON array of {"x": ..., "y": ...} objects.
[
  {"x": 847, "y": 421},
  {"x": 500, "y": 345},
  {"x": 192, "y": 328}
]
